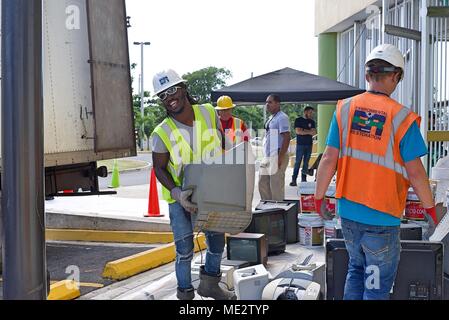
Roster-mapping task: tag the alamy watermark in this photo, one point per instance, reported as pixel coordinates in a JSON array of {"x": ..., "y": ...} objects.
[{"x": 73, "y": 19}]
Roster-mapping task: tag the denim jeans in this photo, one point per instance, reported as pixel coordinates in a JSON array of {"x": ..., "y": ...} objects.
[
  {"x": 182, "y": 227},
  {"x": 302, "y": 151},
  {"x": 374, "y": 254}
]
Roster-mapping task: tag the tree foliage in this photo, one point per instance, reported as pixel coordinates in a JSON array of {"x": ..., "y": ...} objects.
[
  {"x": 200, "y": 85},
  {"x": 202, "y": 82}
]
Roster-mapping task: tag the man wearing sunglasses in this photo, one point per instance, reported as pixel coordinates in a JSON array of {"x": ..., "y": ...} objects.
[{"x": 189, "y": 133}]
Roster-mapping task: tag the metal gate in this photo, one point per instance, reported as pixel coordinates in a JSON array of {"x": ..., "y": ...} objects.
[{"x": 435, "y": 88}]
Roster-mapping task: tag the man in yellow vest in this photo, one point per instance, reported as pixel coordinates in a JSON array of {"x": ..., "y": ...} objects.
[
  {"x": 233, "y": 127},
  {"x": 189, "y": 133},
  {"x": 376, "y": 145}
]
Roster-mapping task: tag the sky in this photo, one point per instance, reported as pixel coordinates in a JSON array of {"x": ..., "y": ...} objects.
[{"x": 244, "y": 36}]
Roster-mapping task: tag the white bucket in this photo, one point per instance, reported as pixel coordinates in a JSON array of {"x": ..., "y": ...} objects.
[
  {"x": 307, "y": 196},
  {"x": 330, "y": 229},
  {"x": 413, "y": 207},
  {"x": 311, "y": 230},
  {"x": 330, "y": 200}
]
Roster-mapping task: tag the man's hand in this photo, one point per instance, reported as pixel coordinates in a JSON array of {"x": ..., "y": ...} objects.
[
  {"x": 183, "y": 198},
  {"x": 320, "y": 207},
  {"x": 280, "y": 160},
  {"x": 431, "y": 218}
]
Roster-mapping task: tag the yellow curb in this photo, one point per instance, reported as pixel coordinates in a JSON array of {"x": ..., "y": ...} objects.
[
  {"x": 132, "y": 265},
  {"x": 85, "y": 284},
  {"x": 109, "y": 236},
  {"x": 64, "y": 290}
]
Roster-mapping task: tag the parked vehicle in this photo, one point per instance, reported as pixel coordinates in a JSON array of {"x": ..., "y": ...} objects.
[{"x": 88, "y": 113}]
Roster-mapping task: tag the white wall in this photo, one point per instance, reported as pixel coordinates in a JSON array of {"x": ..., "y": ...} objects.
[{"x": 337, "y": 15}]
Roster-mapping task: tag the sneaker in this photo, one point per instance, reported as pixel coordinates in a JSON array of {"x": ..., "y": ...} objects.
[{"x": 293, "y": 184}]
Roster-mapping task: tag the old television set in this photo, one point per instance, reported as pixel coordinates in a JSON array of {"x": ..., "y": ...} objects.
[
  {"x": 223, "y": 189},
  {"x": 273, "y": 223},
  {"x": 291, "y": 207},
  {"x": 412, "y": 283},
  {"x": 250, "y": 247}
]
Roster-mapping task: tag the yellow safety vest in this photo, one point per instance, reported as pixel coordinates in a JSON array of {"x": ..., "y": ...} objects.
[{"x": 207, "y": 144}]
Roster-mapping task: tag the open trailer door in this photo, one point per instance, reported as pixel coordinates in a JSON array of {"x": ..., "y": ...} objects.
[{"x": 111, "y": 76}]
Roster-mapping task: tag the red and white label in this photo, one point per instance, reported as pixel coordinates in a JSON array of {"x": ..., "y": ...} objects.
[
  {"x": 308, "y": 203},
  {"x": 330, "y": 205},
  {"x": 414, "y": 210}
]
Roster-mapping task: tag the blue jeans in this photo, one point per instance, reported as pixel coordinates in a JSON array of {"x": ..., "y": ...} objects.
[
  {"x": 374, "y": 254},
  {"x": 302, "y": 151},
  {"x": 182, "y": 227}
]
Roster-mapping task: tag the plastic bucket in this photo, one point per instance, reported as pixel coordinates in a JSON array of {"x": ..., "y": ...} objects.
[
  {"x": 330, "y": 230},
  {"x": 311, "y": 230},
  {"x": 330, "y": 200},
  {"x": 307, "y": 196},
  {"x": 413, "y": 207}
]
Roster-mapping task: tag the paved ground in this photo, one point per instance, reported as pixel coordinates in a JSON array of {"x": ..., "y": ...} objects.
[
  {"x": 66, "y": 259},
  {"x": 131, "y": 202},
  {"x": 88, "y": 259}
]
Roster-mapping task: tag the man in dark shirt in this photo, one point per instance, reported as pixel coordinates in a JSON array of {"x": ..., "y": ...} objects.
[{"x": 305, "y": 130}]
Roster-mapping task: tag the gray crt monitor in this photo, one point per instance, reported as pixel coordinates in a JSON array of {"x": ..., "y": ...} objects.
[{"x": 223, "y": 190}]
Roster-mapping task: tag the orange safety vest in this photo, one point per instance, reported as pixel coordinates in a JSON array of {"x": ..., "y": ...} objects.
[
  {"x": 371, "y": 170},
  {"x": 232, "y": 134}
]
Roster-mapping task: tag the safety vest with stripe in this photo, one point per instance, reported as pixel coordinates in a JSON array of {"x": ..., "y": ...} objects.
[
  {"x": 371, "y": 170},
  {"x": 233, "y": 134},
  {"x": 207, "y": 143}
]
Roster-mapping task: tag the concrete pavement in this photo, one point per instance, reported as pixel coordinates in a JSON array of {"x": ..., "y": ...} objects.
[{"x": 124, "y": 211}]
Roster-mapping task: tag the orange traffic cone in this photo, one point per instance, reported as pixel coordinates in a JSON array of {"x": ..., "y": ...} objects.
[{"x": 153, "y": 203}]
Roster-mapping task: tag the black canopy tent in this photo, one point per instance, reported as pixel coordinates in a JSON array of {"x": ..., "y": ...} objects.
[{"x": 291, "y": 85}]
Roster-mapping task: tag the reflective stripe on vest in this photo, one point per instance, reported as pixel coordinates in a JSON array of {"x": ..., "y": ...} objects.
[
  {"x": 388, "y": 160},
  {"x": 235, "y": 133},
  {"x": 206, "y": 141}
]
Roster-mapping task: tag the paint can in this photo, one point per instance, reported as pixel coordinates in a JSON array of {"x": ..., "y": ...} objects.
[
  {"x": 330, "y": 229},
  {"x": 311, "y": 230},
  {"x": 413, "y": 207},
  {"x": 330, "y": 200},
  {"x": 307, "y": 196}
]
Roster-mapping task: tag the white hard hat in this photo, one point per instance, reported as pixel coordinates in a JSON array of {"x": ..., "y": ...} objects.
[
  {"x": 166, "y": 79},
  {"x": 388, "y": 53}
]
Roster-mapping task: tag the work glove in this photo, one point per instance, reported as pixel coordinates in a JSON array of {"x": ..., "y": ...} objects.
[
  {"x": 431, "y": 218},
  {"x": 183, "y": 198},
  {"x": 320, "y": 207}
]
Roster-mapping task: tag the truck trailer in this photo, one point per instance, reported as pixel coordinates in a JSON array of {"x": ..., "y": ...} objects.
[{"x": 88, "y": 112}]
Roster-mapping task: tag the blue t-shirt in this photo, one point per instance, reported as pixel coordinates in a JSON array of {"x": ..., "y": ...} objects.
[{"x": 412, "y": 146}]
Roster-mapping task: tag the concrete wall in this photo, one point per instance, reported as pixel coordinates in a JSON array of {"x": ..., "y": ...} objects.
[{"x": 337, "y": 15}]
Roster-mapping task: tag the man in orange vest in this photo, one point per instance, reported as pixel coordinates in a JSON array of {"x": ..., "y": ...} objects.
[
  {"x": 376, "y": 146},
  {"x": 233, "y": 127}
]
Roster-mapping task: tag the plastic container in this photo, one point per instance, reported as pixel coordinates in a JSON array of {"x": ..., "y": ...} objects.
[
  {"x": 307, "y": 196},
  {"x": 330, "y": 200},
  {"x": 311, "y": 230},
  {"x": 249, "y": 282},
  {"x": 330, "y": 229},
  {"x": 413, "y": 207}
]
